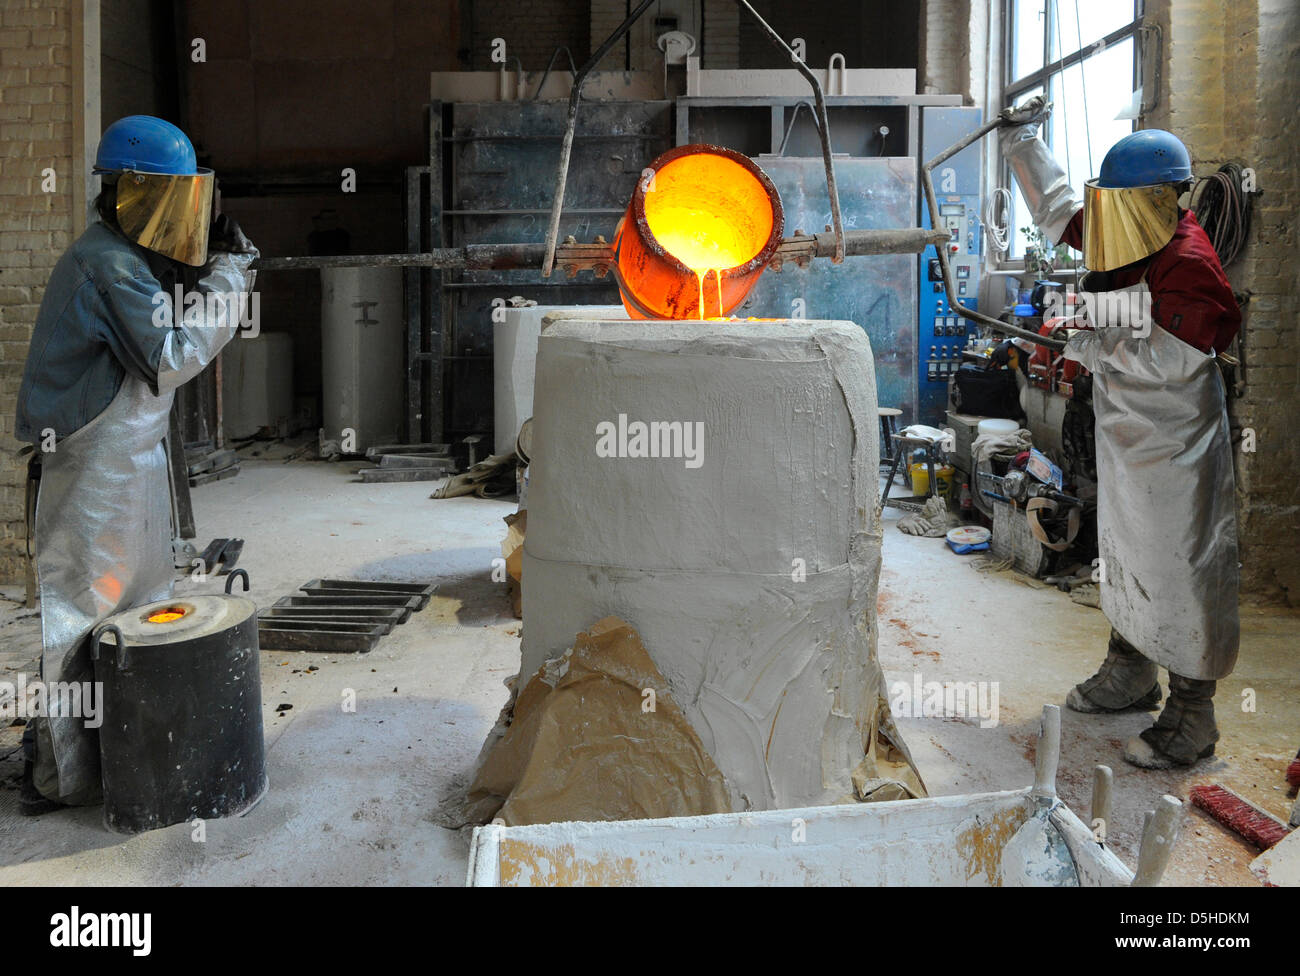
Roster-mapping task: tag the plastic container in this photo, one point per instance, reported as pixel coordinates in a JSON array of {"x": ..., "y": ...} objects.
[
  {"x": 921, "y": 479},
  {"x": 997, "y": 427}
]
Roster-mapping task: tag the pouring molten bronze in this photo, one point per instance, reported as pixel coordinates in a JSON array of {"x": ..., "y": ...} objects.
[{"x": 701, "y": 226}]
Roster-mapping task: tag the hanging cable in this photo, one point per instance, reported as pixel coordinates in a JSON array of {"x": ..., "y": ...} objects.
[
  {"x": 1083, "y": 88},
  {"x": 1222, "y": 208},
  {"x": 1055, "y": 13},
  {"x": 997, "y": 230}
]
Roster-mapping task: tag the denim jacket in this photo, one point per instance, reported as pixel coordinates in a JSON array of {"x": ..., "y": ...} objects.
[{"x": 96, "y": 323}]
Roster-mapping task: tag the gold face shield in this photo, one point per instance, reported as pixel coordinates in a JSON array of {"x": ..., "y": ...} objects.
[
  {"x": 1125, "y": 224},
  {"x": 167, "y": 213}
]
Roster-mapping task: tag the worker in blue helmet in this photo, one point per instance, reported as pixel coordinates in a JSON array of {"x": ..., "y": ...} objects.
[
  {"x": 1159, "y": 310},
  {"x": 107, "y": 354}
]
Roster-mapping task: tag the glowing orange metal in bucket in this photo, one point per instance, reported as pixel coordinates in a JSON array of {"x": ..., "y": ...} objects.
[
  {"x": 167, "y": 615},
  {"x": 698, "y": 232}
]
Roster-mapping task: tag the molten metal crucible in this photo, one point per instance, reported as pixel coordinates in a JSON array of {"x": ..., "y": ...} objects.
[{"x": 700, "y": 228}]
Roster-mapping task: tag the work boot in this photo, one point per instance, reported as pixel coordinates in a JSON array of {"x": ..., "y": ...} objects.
[
  {"x": 1126, "y": 680},
  {"x": 1185, "y": 730},
  {"x": 31, "y": 801}
]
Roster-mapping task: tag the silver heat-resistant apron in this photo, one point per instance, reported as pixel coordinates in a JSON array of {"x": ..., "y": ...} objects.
[
  {"x": 103, "y": 530},
  {"x": 103, "y": 521},
  {"x": 1166, "y": 507}
]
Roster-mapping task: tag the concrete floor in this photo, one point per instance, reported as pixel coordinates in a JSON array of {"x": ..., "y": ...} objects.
[{"x": 353, "y": 795}]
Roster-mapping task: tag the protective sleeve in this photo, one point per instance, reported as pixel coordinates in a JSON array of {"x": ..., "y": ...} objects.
[
  {"x": 1122, "y": 340},
  {"x": 165, "y": 347},
  {"x": 1046, "y": 189}
]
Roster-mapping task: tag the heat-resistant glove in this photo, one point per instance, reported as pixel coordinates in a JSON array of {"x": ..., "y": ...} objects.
[{"x": 226, "y": 236}]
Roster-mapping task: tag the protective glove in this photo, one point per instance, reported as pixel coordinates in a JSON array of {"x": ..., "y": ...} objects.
[
  {"x": 226, "y": 236},
  {"x": 1052, "y": 201},
  {"x": 1032, "y": 111}
]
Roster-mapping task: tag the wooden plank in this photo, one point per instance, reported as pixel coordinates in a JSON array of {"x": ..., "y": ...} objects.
[
  {"x": 384, "y": 476},
  {"x": 425, "y": 448},
  {"x": 415, "y": 461},
  {"x": 182, "y": 505}
]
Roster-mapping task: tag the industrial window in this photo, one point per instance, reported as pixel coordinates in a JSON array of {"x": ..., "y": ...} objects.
[{"x": 1084, "y": 53}]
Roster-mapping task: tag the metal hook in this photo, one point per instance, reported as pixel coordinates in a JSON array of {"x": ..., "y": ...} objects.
[
  {"x": 230, "y": 580},
  {"x": 97, "y": 637}
]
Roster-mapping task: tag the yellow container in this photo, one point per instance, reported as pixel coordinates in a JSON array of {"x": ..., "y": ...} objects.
[{"x": 921, "y": 479}]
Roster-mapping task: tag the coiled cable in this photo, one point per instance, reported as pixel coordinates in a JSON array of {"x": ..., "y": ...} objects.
[{"x": 1222, "y": 208}]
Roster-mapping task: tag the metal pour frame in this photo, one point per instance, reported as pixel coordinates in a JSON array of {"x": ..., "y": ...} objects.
[{"x": 575, "y": 97}]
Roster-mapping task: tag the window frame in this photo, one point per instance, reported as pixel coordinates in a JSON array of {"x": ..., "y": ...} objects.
[{"x": 1014, "y": 88}]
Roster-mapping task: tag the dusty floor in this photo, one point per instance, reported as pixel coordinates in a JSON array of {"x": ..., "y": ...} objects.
[{"x": 352, "y": 796}]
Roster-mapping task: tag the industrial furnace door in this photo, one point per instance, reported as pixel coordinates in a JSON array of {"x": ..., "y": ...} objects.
[{"x": 877, "y": 292}]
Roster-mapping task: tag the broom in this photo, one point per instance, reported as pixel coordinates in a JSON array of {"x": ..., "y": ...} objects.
[{"x": 1239, "y": 815}]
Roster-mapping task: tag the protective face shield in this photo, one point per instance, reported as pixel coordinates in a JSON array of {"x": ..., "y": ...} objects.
[
  {"x": 164, "y": 199},
  {"x": 167, "y": 212},
  {"x": 1125, "y": 224},
  {"x": 1131, "y": 209}
]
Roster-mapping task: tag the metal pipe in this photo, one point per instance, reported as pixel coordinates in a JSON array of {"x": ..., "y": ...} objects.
[
  {"x": 823, "y": 124},
  {"x": 506, "y": 257},
  {"x": 474, "y": 257},
  {"x": 794, "y": 117},
  {"x": 566, "y": 148},
  {"x": 573, "y": 69},
  {"x": 931, "y": 200}
]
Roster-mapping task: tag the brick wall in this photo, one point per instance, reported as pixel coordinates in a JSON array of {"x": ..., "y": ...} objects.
[
  {"x": 311, "y": 83},
  {"x": 874, "y": 34},
  {"x": 35, "y": 226},
  {"x": 532, "y": 31},
  {"x": 721, "y": 47},
  {"x": 1230, "y": 93}
]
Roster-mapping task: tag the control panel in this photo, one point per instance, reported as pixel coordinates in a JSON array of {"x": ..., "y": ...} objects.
[{"x": 942, "y": 334}]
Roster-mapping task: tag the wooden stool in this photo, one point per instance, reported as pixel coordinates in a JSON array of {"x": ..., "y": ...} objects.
[{"x": 888, "y": 428}]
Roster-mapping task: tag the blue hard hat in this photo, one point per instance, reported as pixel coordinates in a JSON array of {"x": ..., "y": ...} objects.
[
  {"x": 145, "y": 144},
  {"x": 1144, "y": 158}
]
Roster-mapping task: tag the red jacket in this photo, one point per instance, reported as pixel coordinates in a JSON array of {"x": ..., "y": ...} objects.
[{"x": 1190, "y": 297}]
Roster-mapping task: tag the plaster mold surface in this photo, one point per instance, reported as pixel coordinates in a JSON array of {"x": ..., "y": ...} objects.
[{"x": 747, "y": 559}]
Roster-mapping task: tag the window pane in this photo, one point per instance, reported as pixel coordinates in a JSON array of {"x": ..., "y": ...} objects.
[
  {"x": 1109, "y": 89},
  {"x": 1079, "y": 23},
  {"x": 1028, "y": 18}
]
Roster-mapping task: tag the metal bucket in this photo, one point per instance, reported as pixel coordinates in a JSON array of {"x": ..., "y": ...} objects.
[
  {"x": 182, "y": 692},
  {"x": 701, "y": 226}
]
